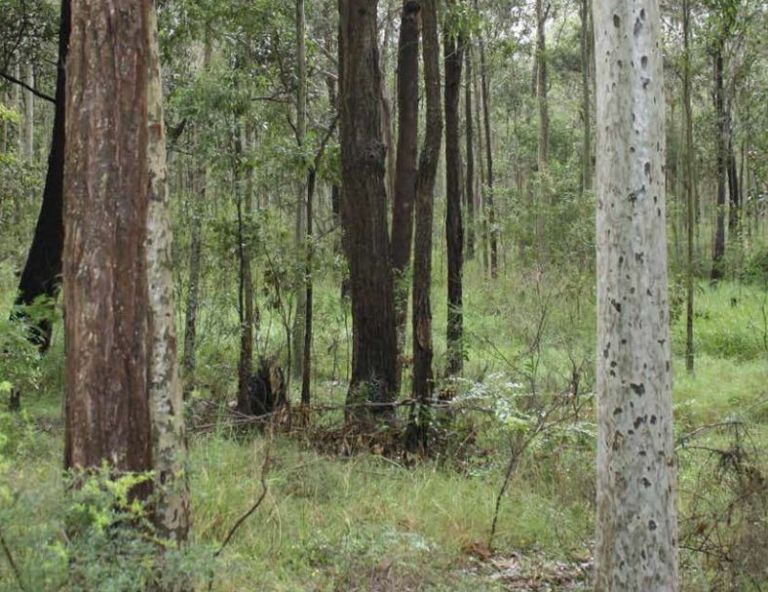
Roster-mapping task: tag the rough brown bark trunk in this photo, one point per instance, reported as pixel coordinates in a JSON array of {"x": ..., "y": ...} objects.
[
  {"x": 364, "y": 213},
  {"x": 105, "y": 268},
  {"x": 454, "y": 231},
  {"x": 407, "y": 155},
  {"x": 42, "y": 271},
  {"x": 586, "y": 119},
  {"x": 541, "y": 86},
  {"x": 422, "y": 259}
]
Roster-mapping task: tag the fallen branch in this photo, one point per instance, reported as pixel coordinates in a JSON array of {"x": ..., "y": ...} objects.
[{"x": 12, "y": 563}]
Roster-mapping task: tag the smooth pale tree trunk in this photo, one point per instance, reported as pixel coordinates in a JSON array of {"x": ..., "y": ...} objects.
[
  {"x": 42, "y": 272},
  {"x": 423, "y": 380},
  {"x": 123, "y": 402},
  {"x": 406, "y": 162},
  {"x": 636, "y": 536},
  {"x": 454, "y": 230},
  {"x": 364, "y": 212}
]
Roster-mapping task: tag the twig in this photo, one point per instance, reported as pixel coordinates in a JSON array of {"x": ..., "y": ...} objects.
[
  {"x": 25, "y": 86},
  {"x": 254, "y": 507},
  {"x": 14, "y": 567}
]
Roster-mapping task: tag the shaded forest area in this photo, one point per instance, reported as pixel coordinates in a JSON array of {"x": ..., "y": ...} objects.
[{"x": 383, "y": 295}]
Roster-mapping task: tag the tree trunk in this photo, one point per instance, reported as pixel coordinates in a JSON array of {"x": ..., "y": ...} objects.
[
  {"x": 300, "y": 320},
  {"x": 718, "y": 256},
  {"x": 172, "y": 509},
  {"x": 734, "y": 204},
  {"x": 42, "y": 271},
  {"x": 541, "y": 86},
  {"x": 422, "y": 260},
  {"x": 364, "y": 213},
  {"x": 636, "y": 520},
  {"x": 469, "y": 192},
  {"x": 306, "y": 373},
  {"x": 688, "y": 186},
  {"x": 586, "y": 120},
  {"x": 245, "y": 292},
  {"x": 197, "y": 201},
  {"x": 488, "y": 195},
  {"x": 454, "y": 231},
  {"x": 29, "y": 116},
  {"x": 407, "y": 154},
  {"x": 105, "y": 265}
]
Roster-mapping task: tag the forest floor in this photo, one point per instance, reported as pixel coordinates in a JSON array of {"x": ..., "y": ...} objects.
[{"x": 375, "y": 522}]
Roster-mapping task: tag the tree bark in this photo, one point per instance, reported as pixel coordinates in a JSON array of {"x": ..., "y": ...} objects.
[
  {"x": 29, "y": 116},
  {"x": 105, "y": 275},
  {"x": 636, "y": 534},
  {"x": 169, "y": 444},
  {"x": 364, "y": 213},
  {"x": 423, "y": 381},
  {"x": 407, "y": 155},
  {"x": 488, "y": 195},
  {"x": 541, "y": 86},
  {"x": 688, "y": 186},
  {"x": 718, "y": 255},
  {"x": 586, "y": 120},
  {"x": 469, "y": 192},
  {"x": 454, "y": 231},
  {"x": 42, "y": 271}
]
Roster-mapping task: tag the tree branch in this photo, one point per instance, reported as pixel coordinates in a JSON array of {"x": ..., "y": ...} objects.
[{"x": 25, "y": 86}]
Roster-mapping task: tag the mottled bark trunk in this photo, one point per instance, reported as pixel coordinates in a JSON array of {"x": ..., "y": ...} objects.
[
  {"x": 363, "y": 210},
  {"x": 636, "y": 536},
  {"x": 169, "y": 444},
  {"x": 454, "y": 230},
  {"x": 42, "y": 271},
  {"x": 422, "y": 260},
  {"x": 407, "y": 155}
]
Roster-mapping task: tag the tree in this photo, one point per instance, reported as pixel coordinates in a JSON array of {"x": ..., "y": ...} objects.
[
  {"x": 407, "y": 154},
  {"x": 124, "y": 396},
  {"x": 542, "y": 85},
  {"x": 688, "y": 185},
  {"x": 586, "y": 120},
  {"x": 454, "y": 229},
  {"x": 42, "y": 271},
  {"x": 422, "y": 260},
  {"x": 363, "y": 209},
  {"x": 636, "y": 520},
  {"x": 469, "y": 191}
]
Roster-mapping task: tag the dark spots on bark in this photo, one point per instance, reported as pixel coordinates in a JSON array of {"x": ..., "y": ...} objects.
[
  {"x": 620, "y": 64},
  {"x": 653, "y": 420},
  {"x": 640, "y": 258},
  {"x": 606, "y": 350},
  {"x": 640, "y": 421},
  {"x": 616, "y": 305},
  {"x": 651, "y": 525},
  {"x": 646, "y": 82},
  {"x": 644, "y": 61},
  {"x": 618, "y": 411},
  {"x": 647, "y": 169},
  {"x": 631, "y": 149},
  {"x": 643, "y": 453},
  {"x": 638, "y": 27},
  {"x": 638, "y": 389},
  {"x": 658, "y": 212},
  {"x": 646, "y": 483},
  {"x": 618, "y": 439},
  {"x": 616, "y": 21},
  {"x": 662, "y": 342}
]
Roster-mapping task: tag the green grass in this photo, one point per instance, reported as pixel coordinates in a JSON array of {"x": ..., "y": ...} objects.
[{"x": 368, "y": 523}]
